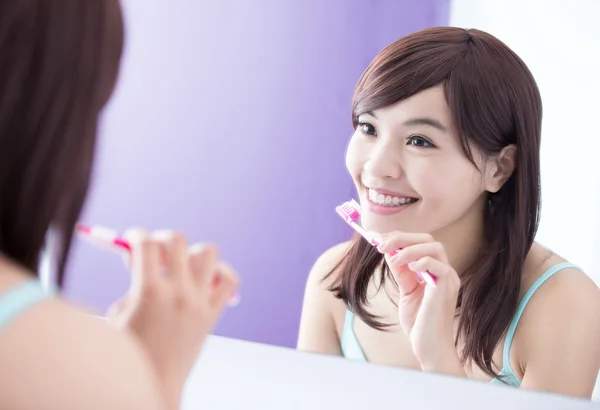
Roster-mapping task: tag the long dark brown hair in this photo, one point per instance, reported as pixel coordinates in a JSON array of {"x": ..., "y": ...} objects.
[
  {"x": 59, "y": 61},
  {"x": 495, "y": 102}
]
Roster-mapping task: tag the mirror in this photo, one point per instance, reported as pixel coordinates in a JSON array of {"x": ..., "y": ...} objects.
[{"x": 231, "y": 124}]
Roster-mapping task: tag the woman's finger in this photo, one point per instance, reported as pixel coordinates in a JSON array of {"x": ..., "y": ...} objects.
[
  {"x": 145, "y": 260},
  {"x": 405, "y": 278},
  {"x": 442, "y": 272},
  {"x": 415, "y": 252},
  {"x": 174, "y": 250},
  {"x": 225, "y": 287},
  {"x": 203, "y": 260},
  {"x": 398, "y": 240}
]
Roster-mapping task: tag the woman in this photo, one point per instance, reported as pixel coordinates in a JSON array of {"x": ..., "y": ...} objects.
[
  {"x": 445, "y": 160},
  {"x": 58, "y": 66}
]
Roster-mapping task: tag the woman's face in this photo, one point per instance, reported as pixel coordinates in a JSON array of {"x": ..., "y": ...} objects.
[{"x": 410, "y": 171}]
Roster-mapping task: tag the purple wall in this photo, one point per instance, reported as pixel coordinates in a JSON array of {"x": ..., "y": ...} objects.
[{"x": 230, "y": 123}]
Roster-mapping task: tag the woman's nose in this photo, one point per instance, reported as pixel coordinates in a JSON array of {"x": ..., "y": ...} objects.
[{"x": 383, "y": 163}]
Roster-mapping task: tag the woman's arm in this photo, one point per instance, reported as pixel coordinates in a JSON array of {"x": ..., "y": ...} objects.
[{"x": 318, "y": 332}]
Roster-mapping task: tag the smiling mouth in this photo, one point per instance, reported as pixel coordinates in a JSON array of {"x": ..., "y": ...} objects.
[{"x": 390, "y": 201}]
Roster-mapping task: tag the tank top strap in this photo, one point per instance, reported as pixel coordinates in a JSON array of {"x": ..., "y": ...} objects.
[
  {"x": 19, "y": 298},
  {"x": 521, "y": 307}
]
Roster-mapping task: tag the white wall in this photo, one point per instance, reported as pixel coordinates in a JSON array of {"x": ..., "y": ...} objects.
[{"x": 560, "y": 42}]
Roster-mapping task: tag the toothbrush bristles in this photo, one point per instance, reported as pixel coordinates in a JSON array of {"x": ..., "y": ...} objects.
[
  {"x": 354, "y": 205},
  {"x": 348, "y": 211}
]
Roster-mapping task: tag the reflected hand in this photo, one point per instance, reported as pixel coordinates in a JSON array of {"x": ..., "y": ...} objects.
[{"x": 176, "y": 297}]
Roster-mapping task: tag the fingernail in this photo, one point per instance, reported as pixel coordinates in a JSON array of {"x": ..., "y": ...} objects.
[{"x": 412, "y": 266}]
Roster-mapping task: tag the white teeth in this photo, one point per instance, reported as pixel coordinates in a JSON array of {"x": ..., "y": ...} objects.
[{"x": 388, "y": 200}]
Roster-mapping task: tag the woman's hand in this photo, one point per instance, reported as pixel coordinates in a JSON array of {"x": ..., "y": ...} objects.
[
  {"x": 426, "y": 312},
  {"x": 176, "y": 297}
]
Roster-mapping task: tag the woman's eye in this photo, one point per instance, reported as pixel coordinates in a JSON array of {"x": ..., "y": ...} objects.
[
  {"x": 420, "y": 142},
  {"x": 366, "y": 128}
]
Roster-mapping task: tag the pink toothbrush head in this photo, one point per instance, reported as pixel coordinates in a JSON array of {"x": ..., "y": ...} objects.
[{"x": 349, "y": 211}]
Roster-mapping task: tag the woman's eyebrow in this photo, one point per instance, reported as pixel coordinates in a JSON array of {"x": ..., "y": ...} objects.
[{"x": 431, "y": 122}]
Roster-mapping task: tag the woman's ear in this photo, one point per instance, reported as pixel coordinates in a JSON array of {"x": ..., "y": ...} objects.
[{"x": 500, "y": 168}]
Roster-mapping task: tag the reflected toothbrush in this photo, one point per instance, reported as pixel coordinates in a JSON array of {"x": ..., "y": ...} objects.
[
  {"x": 104, "y": 237},
  {"x": 110, "y": 239},
  {"x": 350, "y": 212}
]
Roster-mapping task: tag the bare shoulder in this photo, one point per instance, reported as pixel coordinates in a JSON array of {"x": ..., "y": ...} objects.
[
  {"x": 327, "y": 263},
  {"x": 560, "y": 329},
  {"x": 322, "y": 312},
  {"x": 569, "y": 293},
  {"x": 322, "y": 275},
  {"x": 55, "y": 356},
  {"x": 567, "y": 284}
]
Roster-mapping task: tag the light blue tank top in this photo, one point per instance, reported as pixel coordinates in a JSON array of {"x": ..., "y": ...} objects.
[
  {"x": 351, "y": 348},
  {"x": 19, "y": 298}
]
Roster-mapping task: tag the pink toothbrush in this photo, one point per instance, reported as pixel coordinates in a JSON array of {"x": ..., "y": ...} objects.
[
  {"x": 106, "y": 237},
  {"x": 350, "y": 212}
]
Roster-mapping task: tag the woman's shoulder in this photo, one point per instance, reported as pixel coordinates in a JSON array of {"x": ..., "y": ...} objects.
[
  {"x": 55, "y": 355},
  {"x": 556, "y": 285},
  {"x": 558, "y": 335},
  {"x": 326, "y": 270},
  {"x": 322, "y": 311},
  {"x": 549, "y": 274}
]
